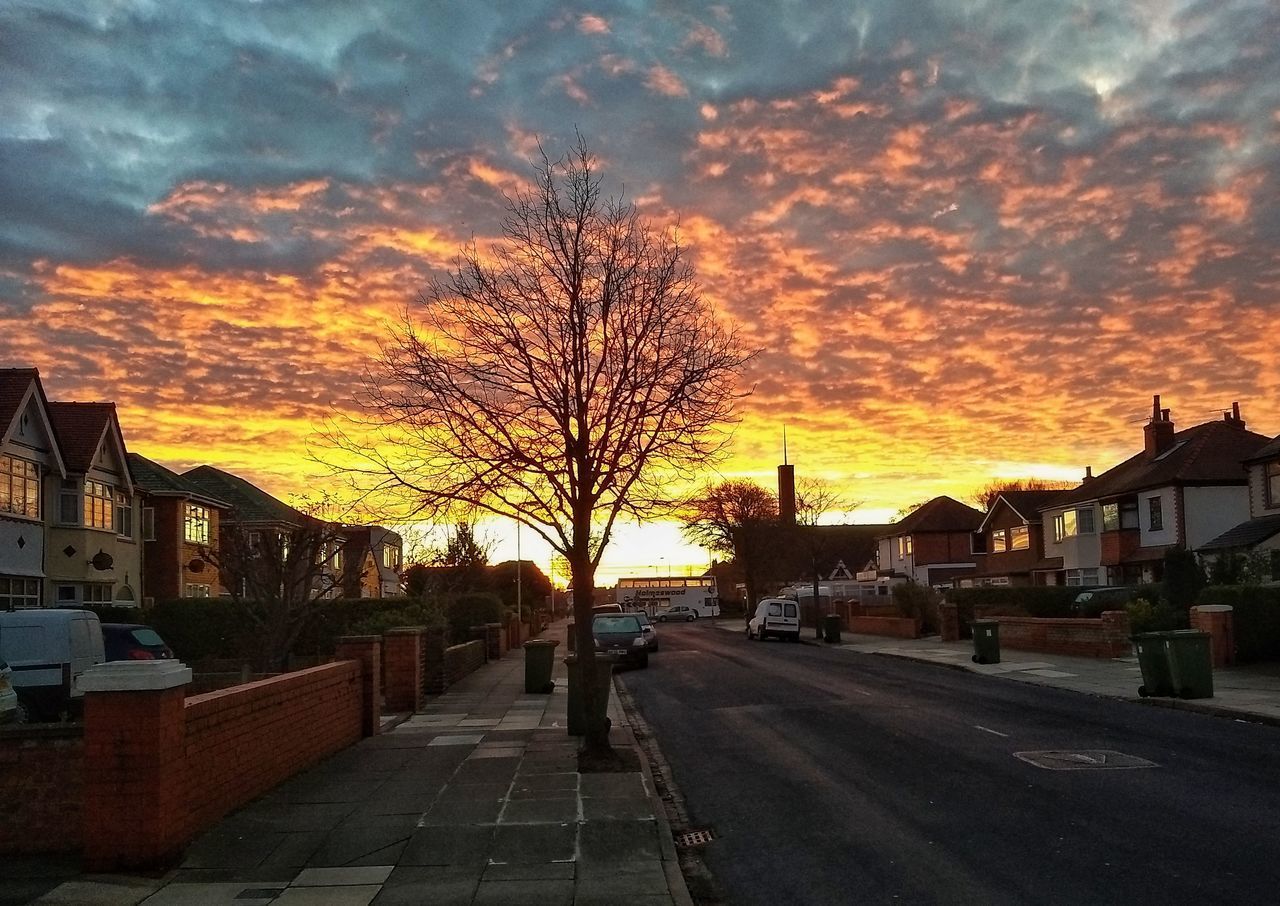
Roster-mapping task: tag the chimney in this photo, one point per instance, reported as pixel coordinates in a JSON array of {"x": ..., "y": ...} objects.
[
  {"x": 787, "y": 494},
  {"x": 1088, "y": 474},
  {"x": 1158, "y": 434},
  {"x": 1233, "y": 418}
]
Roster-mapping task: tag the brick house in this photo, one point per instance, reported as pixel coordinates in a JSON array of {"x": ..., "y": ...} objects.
[
  {"x": 1011, "y": 537},
  {"x": 1260, "y": 533},
  {"x": 372, "y": 558},
  {"x": 94, "y": 545},
  {"x": 1183, "y": 489},
  {"x": 31, "y": 470},
  {"x": 933, "y": 544},
  {"x": 180, "y": 522}
]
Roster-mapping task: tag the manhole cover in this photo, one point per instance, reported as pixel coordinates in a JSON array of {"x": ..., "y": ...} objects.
[
  {"x": 1084, "y": 760},
  {"x": 694, "y": 838}
]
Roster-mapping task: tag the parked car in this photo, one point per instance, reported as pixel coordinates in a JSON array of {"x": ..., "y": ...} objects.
[
  {"x": 606, "y": 608},
  {"x": 10, "y": 712},
  {"x": 133, "y": 642},
  {"x": 1093, "y": 602},
  {"x": 48, "y": 650},
  {"x": 678, "y": 612},
  {"x": 646, "y": 626},
  {"x": 777, "y": 617},
  {"x": 621, "y": 636}
]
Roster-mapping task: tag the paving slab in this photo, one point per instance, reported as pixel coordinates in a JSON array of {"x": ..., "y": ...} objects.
[
  {"x": 619, "y": 841},
  {"x": 540, "y": 811},
  {"x": 343, "y": 877},
  {"x": 445, "y": 845},
  {"x": 523, "y": 843},
  {"x": 328, "y": 896},
  {"x": 435, "y": 885},
  {"x": 524, "y": 893}
]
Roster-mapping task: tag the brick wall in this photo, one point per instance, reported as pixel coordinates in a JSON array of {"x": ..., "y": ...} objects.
[
  {"x": 42, "y": 788},
  {"x": 460, "y": 660},
  {"x": 243, "y": 741},
  {"x": 1107, "y": 636},
  {"x": 895, "y": 627}
]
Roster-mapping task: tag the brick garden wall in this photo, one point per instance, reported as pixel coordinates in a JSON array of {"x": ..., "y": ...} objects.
[
  {"x": 1107, "y": 636},
  {"x": 42, "y": 788},
  {"x": 243, "y": 741},
  {"x": 895, "y": 627},
  {"x": 459, "y": 660}
]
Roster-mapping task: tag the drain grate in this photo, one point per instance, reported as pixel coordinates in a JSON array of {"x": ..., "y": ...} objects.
[
  {"x": 1084, "y": 760},
  {"x": 694, "y": 838}
]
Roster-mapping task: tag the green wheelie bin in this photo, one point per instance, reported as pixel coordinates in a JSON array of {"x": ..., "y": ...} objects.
[
  {"x": 1190, "y": 663},
  {"x": 576, "y": 705},
  {"x": 831, "y": 628},
  {"x": 1154, "y": 663},
  {"x": 986, "y": 641},
  {"x": 539, "y": 661}
]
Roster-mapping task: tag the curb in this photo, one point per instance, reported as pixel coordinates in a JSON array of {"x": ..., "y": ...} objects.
[{"x": 670, "y": 858}]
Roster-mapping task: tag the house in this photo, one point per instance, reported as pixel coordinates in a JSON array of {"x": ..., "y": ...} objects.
[
  {"x": 932, "y": 544},
  {"x": 372, "y": 558},
  {"x": 180, "y": 524},
  {"x": 93, "y": 551},
  {"x": 1183, "y": 489},
  {"x": 1011, "y": 537},
  {"x": 1259, "y": 535},
  {"x": 31, "y": 471}
]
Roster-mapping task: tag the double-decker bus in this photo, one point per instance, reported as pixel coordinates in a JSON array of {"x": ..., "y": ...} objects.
[{"x": 656, "y": 594}]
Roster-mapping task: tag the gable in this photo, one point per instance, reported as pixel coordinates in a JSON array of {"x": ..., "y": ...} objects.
[{"x": 29, "y": 433}]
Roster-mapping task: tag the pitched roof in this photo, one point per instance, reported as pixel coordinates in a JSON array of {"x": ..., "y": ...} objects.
[
  {"x": 825, "y": 546},
  {"x": 1246, "y": 534},
  {"x": 248, "y": 502},
  {"x": 13, "y": 387},
  {"x": 1269, "y": 451},
  {"x": 156, "y": 480},
  {"x": 1028, "y": 504},
  {"x": 1210, "y": 453},
  {"x": 941, "y": 514},
  {"x": 80, "y": 428}
]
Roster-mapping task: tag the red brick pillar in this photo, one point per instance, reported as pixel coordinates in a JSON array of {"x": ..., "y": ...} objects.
[
  {"x": 1220, "y": 622},
  {"x": 402, "y": 668},
  {"x": 1116, "y": 633},
  {"x": 367, "y": 649},
  {"x": 949, "y": 622},
  {"x": 493, "y": 641},
  {"x": 135, "y": 781}
]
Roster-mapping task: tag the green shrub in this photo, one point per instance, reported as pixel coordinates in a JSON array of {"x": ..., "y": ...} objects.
[
  {"x": 406, "y": 613},
  {"x": 1256, "y": 616},
  {"x": 471, "y": 609},
  {"x": 201, "y": 628},
  {"x": 1016, "y": 600},
  {"x": 1145, "y": 616},
  {"x": 919, "y": 602}
]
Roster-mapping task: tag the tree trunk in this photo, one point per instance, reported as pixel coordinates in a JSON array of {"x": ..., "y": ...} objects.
[{"x": 596, "y": 740}]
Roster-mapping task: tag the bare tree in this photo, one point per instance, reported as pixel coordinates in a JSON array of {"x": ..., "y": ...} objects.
[
  {"x": 564, "y": 378},
  {"x": 736, "y": 518},
  {"x": 985, "y": 496},
  {"x": 278, "y": 572}
]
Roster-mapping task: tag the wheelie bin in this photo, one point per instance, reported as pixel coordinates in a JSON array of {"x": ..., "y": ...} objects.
[
  {"x": 539, "y": 661},
  {"x": 1154, "y": 662},
  {"x": 831, "y": 628},
  {"x": 604, "y": 685},
  {"x": 1190, "y": 663},
  {"x": 986, "y": 641}
]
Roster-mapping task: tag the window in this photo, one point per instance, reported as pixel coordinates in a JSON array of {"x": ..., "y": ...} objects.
[
  {"x": 124, "y": 514},
  {"x": 195, "y": 527},
  {"x": 999, "y": 541},
  {"x": 66, "y": 593},
  {"x": 391, "y": 557},
  {"x": 1111, "y": 517},
  {"x": 1064, "y": 525},
  {"x": 19, "y": 592},
  {"x": 19, "y": 487},
  {"x": 148, "y": 523},
  {"x": 99, "y": 505},
  {"x": 1129, "y": 514},
  {"x": 1272, "y": 473},
  {"x": 1157, "y": 514},
  {"x": 978, "y": 543},
  {"x": 904, "y": 546},
  {"x": 1082, "y": 576},
  {"x": 69, "y": 502},
  {"x": 97, "y": 594},
  {"x": 198, "y": 591},
  {"x": 1084, "y": 521},
  {"x": 1019, "y": 538}
]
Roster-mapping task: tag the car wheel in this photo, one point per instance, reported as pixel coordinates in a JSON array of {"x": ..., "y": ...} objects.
[
  {"x": 693, "y": 616},
  {"x": 662, "y": 619}
]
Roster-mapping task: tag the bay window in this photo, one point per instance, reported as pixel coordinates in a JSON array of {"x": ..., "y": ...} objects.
[
  {"x": 19, "y": 487},
  {"x": 99, "y": 505}
]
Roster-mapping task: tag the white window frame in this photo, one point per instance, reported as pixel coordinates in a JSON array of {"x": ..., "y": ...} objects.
[
  {"x": 124, "y": 515},
  {"x": 1019, "y": 538},
  {"x": 19, "y": 593},
  {"x": 1155, "y": 508},
  {"x": 99, "y": 505}
]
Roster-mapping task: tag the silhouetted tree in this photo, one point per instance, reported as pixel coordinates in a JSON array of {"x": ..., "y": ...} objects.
[
  {"x": 736, "y": 518},
  {"x": 983, "y": 497}
]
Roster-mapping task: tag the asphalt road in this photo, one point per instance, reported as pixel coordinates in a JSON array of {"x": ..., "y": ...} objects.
[{"x": 833, "y": 777}]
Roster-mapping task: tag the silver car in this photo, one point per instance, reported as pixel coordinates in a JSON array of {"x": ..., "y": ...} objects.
[{"x": 650, "y": 634}]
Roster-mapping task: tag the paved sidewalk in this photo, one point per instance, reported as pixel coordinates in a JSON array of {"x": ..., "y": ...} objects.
[
  {"x": 474, "y": 800},
  {"x": 1248, "y": 693}
]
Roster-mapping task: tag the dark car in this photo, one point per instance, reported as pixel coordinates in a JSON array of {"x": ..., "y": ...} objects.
[
  {"x": 1093, "y": 602},
  {"x": 133, "y": 642},
  {"x": 622, "y": 636}
]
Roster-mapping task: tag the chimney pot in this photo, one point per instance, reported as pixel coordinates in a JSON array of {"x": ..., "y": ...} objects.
[{"x": 1088, "y": 472}]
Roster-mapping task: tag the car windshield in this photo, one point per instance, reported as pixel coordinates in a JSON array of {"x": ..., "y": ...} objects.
[
  {"x": 616, "y": 624},
  {"x": 147, "y": 636},
  {"x": 643, "y": 618}
]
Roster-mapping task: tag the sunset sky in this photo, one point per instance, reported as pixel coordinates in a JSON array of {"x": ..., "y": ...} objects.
[{"x": 972, "y": 237}]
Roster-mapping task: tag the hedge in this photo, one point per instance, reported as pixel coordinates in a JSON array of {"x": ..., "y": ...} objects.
[
  {"x": 1257, "y": 618},
  {"x": 1015, "y": 600}
]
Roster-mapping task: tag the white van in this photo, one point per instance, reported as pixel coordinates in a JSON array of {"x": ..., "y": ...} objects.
[
  {"x": 48, "y": 649},
  {"x": 777, "y": 617}
]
